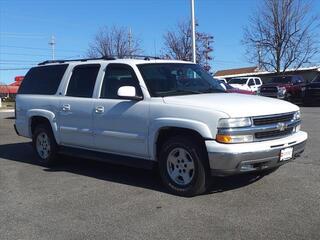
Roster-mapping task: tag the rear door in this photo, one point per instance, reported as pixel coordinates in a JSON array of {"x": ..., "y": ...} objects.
[
  {"x": 76, "y": 107},
  {"x": 121, "y": 125}
]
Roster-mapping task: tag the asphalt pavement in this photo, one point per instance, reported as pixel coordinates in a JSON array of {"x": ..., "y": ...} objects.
[{"x": 84, "y": 199}]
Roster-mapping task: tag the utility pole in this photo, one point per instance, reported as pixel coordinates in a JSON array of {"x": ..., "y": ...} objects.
[
  {"x": 193, "y": 31},
  {"x": 130, "y": 41},
  {"x": 52, "y": 43}
]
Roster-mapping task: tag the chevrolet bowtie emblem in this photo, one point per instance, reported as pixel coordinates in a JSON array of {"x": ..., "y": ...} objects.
[{"x": 281, "y": 126}]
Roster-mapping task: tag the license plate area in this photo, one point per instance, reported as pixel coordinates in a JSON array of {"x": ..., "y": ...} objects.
[{"x": 286, "y": 154}]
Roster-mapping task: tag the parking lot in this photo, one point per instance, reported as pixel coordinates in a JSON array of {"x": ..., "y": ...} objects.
[{"x": 84, "y": 199}]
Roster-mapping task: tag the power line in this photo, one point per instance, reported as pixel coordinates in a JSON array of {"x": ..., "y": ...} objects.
[
  {"x": 13, "y": 69},
  {"x": 34, "y": 48}
]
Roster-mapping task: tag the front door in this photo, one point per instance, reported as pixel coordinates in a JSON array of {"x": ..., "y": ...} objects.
[
  {"x": 76, "y": 107},
  {"x": 120, "y": 125}
]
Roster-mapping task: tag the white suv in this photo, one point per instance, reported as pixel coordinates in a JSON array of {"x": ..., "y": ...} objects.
[
  {"x": 246, "y": 83},
  {"x": 146, "y": 113}
]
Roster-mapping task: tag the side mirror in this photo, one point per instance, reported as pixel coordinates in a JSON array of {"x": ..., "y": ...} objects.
[{"x": 128, "y": 92}]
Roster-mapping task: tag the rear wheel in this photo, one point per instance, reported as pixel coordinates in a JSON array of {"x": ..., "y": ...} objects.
[
  {"x": 183, "y": 166},
  {"x": 44, "y": 145}
]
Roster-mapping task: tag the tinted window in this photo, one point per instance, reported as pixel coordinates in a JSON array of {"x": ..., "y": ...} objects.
[
  {"x": 43, "y": 80},
  {"x": 251, "y": 82},
  {"x": 258, "y": 81},
  {"x": 83, "y": 80},
  {"x": 238, "y": 81},
  {"x": 283, "y": 79},
  {"x": 116, "y": 76}
]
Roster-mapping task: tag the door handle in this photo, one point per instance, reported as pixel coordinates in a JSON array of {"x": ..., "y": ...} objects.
[
  {"x": 66, "y": 107},
  {"x": 99, "y": 109}
]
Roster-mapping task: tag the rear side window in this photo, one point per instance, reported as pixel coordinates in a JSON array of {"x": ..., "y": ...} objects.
[
  {"x": 83, "y": 80},
  {"x": 43, "y": 80}
]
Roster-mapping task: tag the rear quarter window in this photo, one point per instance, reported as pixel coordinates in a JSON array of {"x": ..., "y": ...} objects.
[{"x": 43, "y": 80}]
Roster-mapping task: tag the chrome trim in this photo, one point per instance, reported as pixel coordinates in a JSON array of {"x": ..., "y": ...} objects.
[
  {"x": 252, "y": 130},
  {"x": 257, "y": 129}
]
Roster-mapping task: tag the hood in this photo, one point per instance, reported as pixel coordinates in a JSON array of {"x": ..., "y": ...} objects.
[
  {"x": 234, "y": 104},
  {"x": 276, "y": 85},
  {"x": 240, "y": 86},
  {"x": 313, "y": 85}
]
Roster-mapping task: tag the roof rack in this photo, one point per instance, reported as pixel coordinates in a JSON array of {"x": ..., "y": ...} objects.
[
  {"x": 144, "y": 57},
  {"x": 72, "y": 60}
]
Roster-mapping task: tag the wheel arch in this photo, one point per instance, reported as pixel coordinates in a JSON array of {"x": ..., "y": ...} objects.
[
  {"x": 40, "y": 116},
  {"x": 163, "y": 131}
]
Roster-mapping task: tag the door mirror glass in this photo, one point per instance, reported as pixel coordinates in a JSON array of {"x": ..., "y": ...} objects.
[{"x": 128, "y": 92}]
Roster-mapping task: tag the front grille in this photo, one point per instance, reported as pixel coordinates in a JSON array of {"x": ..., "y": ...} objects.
[
  {"x": 273, "y": 134},
  {"x": 273, "y": 119},
  {"x": 268, "y": 90}
]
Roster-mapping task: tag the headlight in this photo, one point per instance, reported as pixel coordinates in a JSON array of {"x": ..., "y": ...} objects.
[
  {"x": 234, "y": 122},
  {"x": 297, "y": 115},
  {"x": 282, "y": 90},
  {"x": 303, "y": 88},
  {"x": 234, "y": 139}
]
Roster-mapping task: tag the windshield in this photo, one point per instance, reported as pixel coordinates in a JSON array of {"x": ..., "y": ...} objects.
[
  {"x": 169, "y": 79},
  {"x": 317, "y": 80},
  {"x": 285, "y": 79},
  {"x": 238, "y": 81}
]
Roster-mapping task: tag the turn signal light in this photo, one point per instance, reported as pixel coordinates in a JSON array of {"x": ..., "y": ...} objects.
[
  {"x": 234, "y": 138},
  {"x": 224, "y": 138}
]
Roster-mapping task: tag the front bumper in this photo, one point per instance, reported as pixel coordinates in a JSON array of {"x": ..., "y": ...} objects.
[{"x": 230, "y": 159}]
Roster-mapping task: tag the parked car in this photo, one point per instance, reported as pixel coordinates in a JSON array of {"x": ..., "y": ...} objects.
[
  {"x": 286, "y": 87},
  {"x": 154, "y": 113},
  {"x": 246, "y": 83},
  {"x": 222, "y": 80},
  {"x": 231, "y": 89},
  {"x": 311, "y": 92}
]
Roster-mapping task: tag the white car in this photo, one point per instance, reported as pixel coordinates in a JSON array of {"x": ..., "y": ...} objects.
[
  {"x": 154, "y": 113},
  {"x": 246, "y": 83}
]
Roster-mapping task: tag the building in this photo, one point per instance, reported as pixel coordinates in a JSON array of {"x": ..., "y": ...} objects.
[
  {"x": 12, "y": 89},
  {"x": 308, "y": 73}
]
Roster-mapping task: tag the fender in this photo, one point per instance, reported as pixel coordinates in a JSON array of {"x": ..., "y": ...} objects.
[
  {"x": 161, "y": 123},
  {"x": 46, "y": 114}
]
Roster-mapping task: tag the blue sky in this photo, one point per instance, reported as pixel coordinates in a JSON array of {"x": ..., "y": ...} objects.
[{"x": 26, "y": 27}]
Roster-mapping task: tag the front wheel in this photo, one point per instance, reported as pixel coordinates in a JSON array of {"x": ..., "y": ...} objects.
[{"x": 184, "y": 167}]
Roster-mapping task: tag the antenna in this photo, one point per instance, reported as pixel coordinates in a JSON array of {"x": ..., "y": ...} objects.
[{"x": 52, "y": 43}]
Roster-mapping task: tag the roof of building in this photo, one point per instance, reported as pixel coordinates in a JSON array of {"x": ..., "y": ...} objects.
[
  {"x": 234, "y": 71},
  {"x": 253, "y": 71}
]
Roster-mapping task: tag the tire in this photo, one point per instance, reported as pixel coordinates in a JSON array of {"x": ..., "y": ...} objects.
[
  {"x": 183, "y": 166},
  {"x": 44, "y": 145}
]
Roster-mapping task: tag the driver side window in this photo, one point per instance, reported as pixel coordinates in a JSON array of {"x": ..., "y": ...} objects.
[
  {"x": 116, "y": 76},
  {"x": 251, "y": 82}
]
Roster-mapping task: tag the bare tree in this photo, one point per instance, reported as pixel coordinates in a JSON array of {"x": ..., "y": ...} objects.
[
  {"x": 281, "y": 35},
  {"x": 178, "y": 44},
  {"x": 114, "y": 41}
]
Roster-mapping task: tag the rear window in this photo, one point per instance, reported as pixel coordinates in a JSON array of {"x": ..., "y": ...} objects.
[
  {"x": 238, "y": 81},
  {"x": 283, "y": 79},
  {"x": 43, "y": 80}
]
